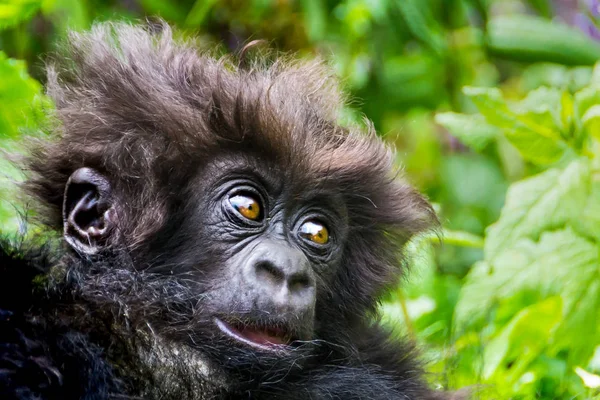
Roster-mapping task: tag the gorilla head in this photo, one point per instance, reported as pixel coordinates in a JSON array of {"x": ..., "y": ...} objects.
[{"x": 226, "y": 236}]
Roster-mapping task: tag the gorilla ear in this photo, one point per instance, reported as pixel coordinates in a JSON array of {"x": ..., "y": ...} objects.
[{"x": 88, "y": 213}]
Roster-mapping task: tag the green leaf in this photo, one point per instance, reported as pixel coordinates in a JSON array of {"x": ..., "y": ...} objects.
[
  {"x": 315, "y": 17},
  {"x": 546, "y": 201},
  {"x": 10, "y": 210},
  {"x": 20, "y": 98},
  {"x": 586, "y": 109},
  {"x": 22, "y": 106},
  {"x": 581, "y": 292},
  {"x": 591, "y": 121},
  {"x": 534, "y": 39},
  {"x": 588, "y": 223},
  {"x": 532, "y": 131},
  {"x": 543, "y": 103},
  {"x": 419, "y": 20},
  {"x": 472, "y": 130},
  {"x": 566, "y": 112},
  {"x": 524, "y": 338},
  {"x": 561, "y": 263},
  {"x": 13, "y": 12},
  {"x": 198, "y": 13},
  {"x": 69, "y": 14},
  {"x": 542, "y": 6}
]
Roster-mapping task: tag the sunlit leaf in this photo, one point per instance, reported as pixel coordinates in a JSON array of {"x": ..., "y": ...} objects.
[
  {"x": 541, "y": 267},
  {"x": 590, "y": 380},
  {"x": 532, "y": 131},
  {"x": 472, "y": 130},
  {"x": 524, "y": 338},
  {"x": 544, "y": 202}
]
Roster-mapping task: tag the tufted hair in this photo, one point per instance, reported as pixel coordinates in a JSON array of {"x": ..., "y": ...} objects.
[{"x": 147, "y": 110}]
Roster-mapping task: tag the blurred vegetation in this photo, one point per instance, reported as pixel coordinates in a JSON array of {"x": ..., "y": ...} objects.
[{"x": 494, "y": 106}]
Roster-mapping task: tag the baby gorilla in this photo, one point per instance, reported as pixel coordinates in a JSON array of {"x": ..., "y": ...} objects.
[{"x": 222, "y": 236}]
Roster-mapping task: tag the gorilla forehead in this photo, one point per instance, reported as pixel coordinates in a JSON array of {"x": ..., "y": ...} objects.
[{"x": 282, "y": 180}]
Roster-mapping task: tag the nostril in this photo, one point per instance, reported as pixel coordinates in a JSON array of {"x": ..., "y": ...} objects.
[
  {"x": 299, "y": 282},
  {"x": 267, "y": 271}
]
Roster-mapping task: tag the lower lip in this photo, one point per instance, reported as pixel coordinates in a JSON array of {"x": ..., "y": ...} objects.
[{"x": 225, "y": 328}]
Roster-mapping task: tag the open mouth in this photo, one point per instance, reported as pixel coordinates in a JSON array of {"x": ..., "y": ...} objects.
[{"x": 264, "y": 337}]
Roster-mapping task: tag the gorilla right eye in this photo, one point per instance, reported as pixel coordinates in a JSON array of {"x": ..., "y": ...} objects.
[
  {"x": 315, "y": 232},
  {"x": 246, "y": 205}
]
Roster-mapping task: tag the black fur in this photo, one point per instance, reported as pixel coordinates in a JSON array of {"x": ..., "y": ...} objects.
[{"x": 161, "y": 121}]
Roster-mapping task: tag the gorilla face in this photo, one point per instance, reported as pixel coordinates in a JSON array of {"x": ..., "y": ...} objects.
[
  {"x": 256, "y": 248},
  {"x": 276, "y": 244}
]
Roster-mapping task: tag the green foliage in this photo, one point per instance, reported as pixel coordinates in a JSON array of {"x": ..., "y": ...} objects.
[
  {"x": 15, "y": 11},
  {"x": 526, "y": 38},
  {"x": 495, "y": 110},
  {"x": 21, "y": 108},
  {"x": 538, "y": 285},
  {"x": 20, "y": 97}
]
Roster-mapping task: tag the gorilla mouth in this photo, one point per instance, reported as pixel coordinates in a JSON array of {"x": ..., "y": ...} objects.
[{"x": 262, "y": 336}]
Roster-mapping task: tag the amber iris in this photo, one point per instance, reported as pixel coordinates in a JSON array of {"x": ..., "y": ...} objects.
[
  {"x": 247, "y": 206},
  {"x": 315, "y": 232}
]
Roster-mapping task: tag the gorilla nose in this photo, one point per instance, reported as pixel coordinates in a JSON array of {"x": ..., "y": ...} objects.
[{"x": 278, "y": 267}]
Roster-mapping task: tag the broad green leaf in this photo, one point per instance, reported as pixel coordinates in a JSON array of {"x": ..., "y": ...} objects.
[
  {"x": 582, "y": 293},
  {"x": 472, "y": 130},
  {"x": 533, "y": 39},
  {"x": 524, "y": 338},
  {"x": 546, "y": 201},
  {"x": 561, "y": 263},
  {"x": 532, "y": 131},
  {"x": 544, "y": 105}
]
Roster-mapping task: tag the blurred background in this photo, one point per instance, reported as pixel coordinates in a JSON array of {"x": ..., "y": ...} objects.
[{"x": 494, "y": 108}]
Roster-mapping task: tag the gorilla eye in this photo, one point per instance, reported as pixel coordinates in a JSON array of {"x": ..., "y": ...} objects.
[
  {"x": 315, "y": 232},
  {"x": 246, "y": 206}
]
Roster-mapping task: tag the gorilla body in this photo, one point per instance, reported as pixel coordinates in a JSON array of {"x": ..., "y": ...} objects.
[{"x": 221, "y": 235}]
